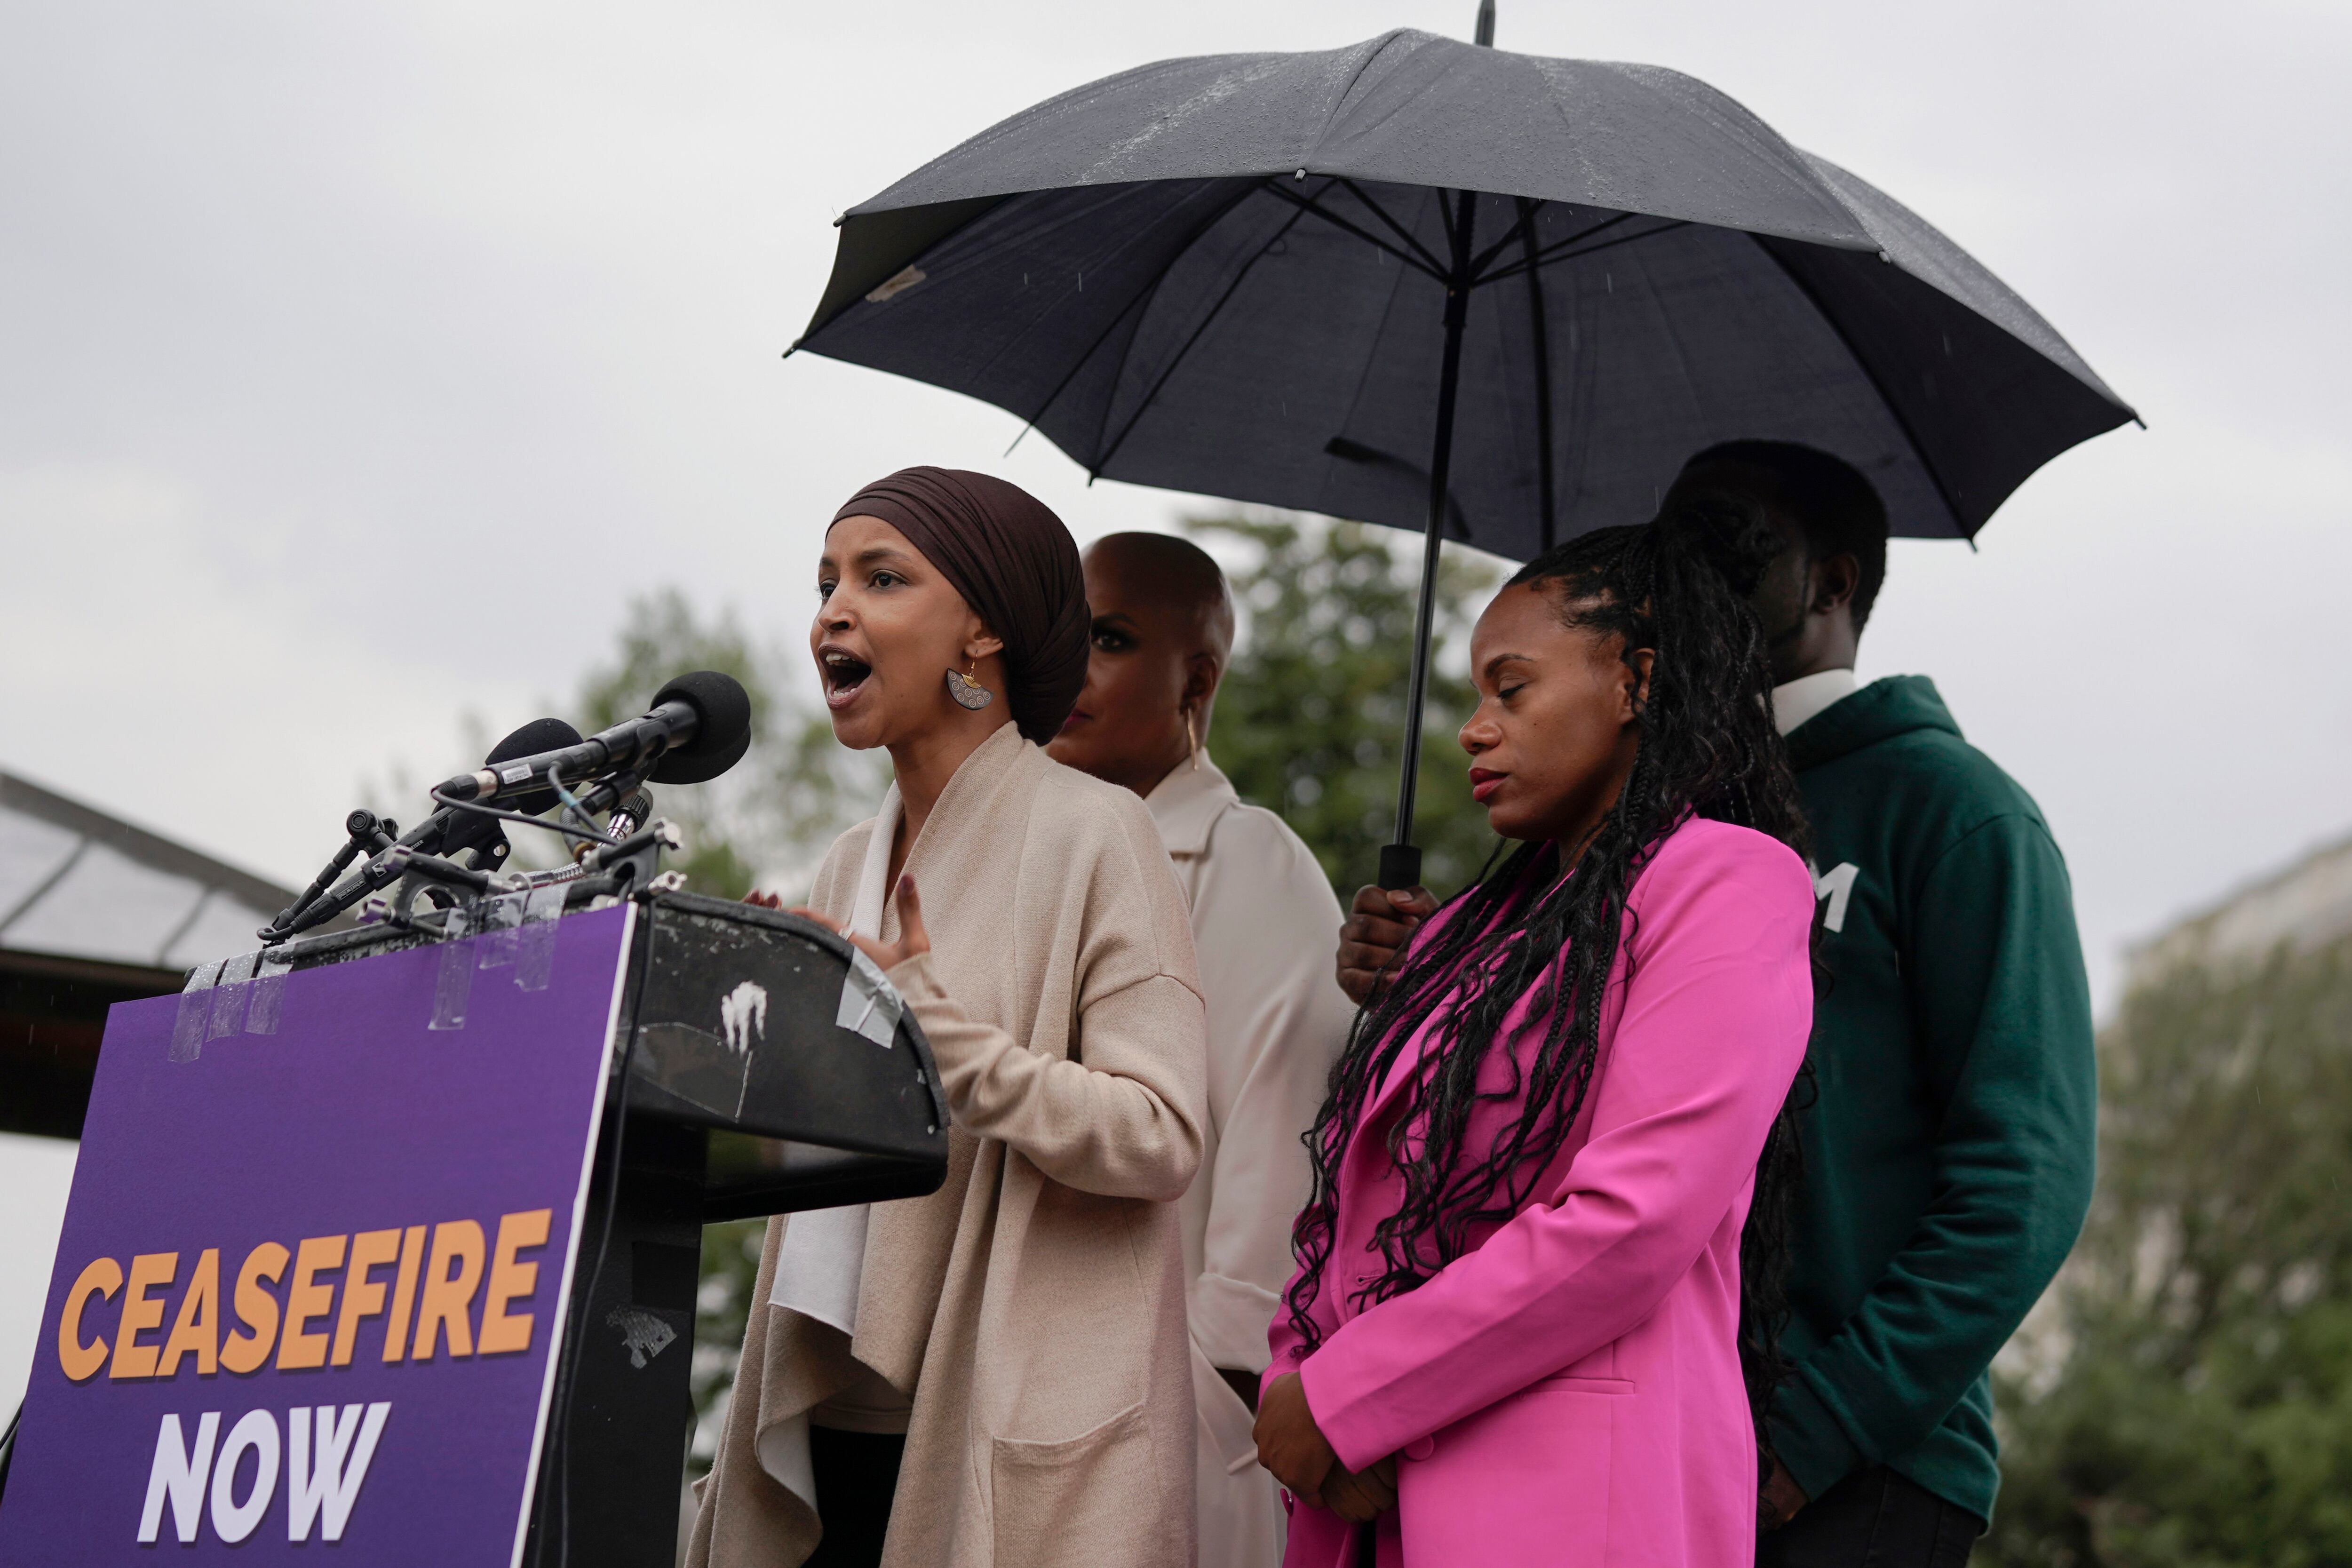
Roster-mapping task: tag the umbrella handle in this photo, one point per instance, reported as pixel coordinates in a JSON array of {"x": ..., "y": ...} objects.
[{"x": 1400, "y": 861}]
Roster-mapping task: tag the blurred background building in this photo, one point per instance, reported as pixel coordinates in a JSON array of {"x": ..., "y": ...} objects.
[
  {"x": 93, "y": 910},
  {"x": 2305, "y": 907}
]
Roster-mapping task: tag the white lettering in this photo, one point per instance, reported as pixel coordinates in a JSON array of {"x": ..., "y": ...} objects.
[
  {"x": 1836, "y": 885},
  {"x": 234, "y": 1520},
  {"x": 325, "y": 1491},
  {"x": 180, "y": 1474}
]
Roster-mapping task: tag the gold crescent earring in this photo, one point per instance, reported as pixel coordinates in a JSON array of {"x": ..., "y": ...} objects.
[
  {"x": 1191, "y": 739},
  {"x": 968, "y": 692}
]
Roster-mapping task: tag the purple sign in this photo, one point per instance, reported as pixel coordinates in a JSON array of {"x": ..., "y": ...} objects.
[{"x": 314, "y": 1268}]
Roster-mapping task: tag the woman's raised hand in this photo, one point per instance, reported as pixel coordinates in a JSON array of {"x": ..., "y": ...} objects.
[{"x": 913, "y": 940}]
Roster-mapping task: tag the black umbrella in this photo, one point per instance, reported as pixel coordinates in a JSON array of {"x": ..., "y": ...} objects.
[{"x": 1444, "y": 286}]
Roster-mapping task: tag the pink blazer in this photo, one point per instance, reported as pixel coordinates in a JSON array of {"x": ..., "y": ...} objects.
[{"x": 1569, "y": 1393}]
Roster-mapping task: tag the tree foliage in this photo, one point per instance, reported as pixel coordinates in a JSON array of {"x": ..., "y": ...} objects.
[
  {"x": 1310, "y": 720},
  {"x": 773, "y": 814},
  {"x": 2198, "y": 1411}
]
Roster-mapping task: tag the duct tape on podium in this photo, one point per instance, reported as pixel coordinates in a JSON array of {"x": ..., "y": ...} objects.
[{"x": 870, "y": 1004}]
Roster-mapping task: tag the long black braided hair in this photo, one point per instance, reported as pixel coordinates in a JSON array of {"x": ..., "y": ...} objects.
[{"x": 1705, "y": 747}]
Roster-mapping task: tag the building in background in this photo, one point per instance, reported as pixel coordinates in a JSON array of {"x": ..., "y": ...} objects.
[
  {"x": 2305, "y": 907},
  {"x": 95, "y": 912}
]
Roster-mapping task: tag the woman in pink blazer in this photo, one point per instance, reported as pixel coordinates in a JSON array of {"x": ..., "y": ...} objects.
[{"x": 1517, "y": 1332}]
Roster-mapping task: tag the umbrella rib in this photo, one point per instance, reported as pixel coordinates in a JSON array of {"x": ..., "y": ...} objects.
[
  {"x": 1436, "y": 267},
  {"x": 1515, "y": 267},
  {"x": 1539, "y": 334},
  {"x": 1877, "y": 385},
  {"x": 1143, "y": 299},
  {"x": 1478, "y": 266},
  {"x": 1552, "y": 251},
  {"x": 1177, "y": 361},
  {"x": 1453, "y": 244},
  {"x": 1308, "y": 204}
]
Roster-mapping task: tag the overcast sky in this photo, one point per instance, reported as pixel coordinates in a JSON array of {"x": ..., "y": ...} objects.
[{"x": 358, "y": 361}]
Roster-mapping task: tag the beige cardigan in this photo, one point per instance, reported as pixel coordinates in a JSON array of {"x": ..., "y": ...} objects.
[{"x": 1034, "y": 1306}]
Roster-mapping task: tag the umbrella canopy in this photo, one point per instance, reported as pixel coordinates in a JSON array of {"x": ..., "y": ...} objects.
[
  {"x": 1436, "y": 284},
  {"x": 1229, "y": 275}
]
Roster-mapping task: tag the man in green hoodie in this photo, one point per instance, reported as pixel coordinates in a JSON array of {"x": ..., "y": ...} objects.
[
  {"x": 1948, "y": 1142},
  {"x": 1949, "y": 1148}
]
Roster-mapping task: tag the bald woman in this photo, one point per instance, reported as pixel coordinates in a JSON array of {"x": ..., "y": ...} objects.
[{"x": 1263, "y": 919}]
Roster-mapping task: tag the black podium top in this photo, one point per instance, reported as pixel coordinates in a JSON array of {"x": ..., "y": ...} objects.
[
  {"x": 764, "y": 1025},
  {"x": 772, "y": 1033}
]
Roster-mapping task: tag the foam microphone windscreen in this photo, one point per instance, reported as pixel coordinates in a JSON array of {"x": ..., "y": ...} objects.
[
  {"x": 539, "y": 735},
  {"x": 722, "y": 729}
]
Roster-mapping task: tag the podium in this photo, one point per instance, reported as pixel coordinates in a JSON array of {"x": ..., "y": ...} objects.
[{"x": 757, "y": 1070}]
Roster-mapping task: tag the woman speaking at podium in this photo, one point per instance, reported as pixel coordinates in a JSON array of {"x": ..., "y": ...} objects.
[{"x": 996, "y": 1374}]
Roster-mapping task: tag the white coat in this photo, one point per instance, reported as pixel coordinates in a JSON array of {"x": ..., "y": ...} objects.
[{"x": 1264, "y": 926}]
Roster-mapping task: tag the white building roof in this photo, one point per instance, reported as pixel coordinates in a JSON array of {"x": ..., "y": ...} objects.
[
  {"x": 2304, "y": 906},
  {"x": 77, "y": 883}
]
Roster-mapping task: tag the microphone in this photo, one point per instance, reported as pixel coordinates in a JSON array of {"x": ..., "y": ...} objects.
[
  {"x": 441, "y": 834},
  {"x": 699, "y": 727},
  {"x": 629, "y": 815},
  {"x": 721, "y": 731},
  {"x": 449, "y": 831},
  {"x": 539, "y": 735}
]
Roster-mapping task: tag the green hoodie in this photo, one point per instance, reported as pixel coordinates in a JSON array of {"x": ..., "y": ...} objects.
[{"x": 1949, "y": 1150}]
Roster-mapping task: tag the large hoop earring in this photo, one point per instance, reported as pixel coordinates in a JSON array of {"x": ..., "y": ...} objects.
[
  {"x": 968, "y": 692},
  {"x": 1191, "y": 739}
]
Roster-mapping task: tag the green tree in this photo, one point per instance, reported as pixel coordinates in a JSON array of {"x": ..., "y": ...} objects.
[
  {"x": 664, "y": 637},
  {"x": 2199, "y": 1413},
  {"x": 774, "y": 812},
  {"x": 1310, "y": 720}
]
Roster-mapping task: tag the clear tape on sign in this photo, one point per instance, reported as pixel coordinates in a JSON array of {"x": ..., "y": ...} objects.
[
  {"x": 195, "y": 1005},
  {"x": 229, "y": 996},
  {"x": 501, "y": 925},
  {"x": 535, "y": 942},
  {"x": 869, "y": 1004},
  {"x": 455, "y": 982},
  {"x": 268, "y": 999}
]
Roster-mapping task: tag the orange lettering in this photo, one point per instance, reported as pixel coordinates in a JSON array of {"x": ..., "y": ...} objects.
[
  {"x": 307, "y": 1298},
  {"x": 362, "y": 1296},
  {"x": 501, "y": 1331},
  {"x": 141, "y": 1312},
  {"x": 404, "y": 1293},
  {"x": 196, "y": 1330},
  {"x": 80, "y": 1362},
  {"x": 449, "y": 1290},
  {"x": 257, "y": 1309}
]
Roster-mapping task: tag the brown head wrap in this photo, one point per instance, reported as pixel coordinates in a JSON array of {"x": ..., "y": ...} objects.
[{"x": 1014, "y": 565}]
